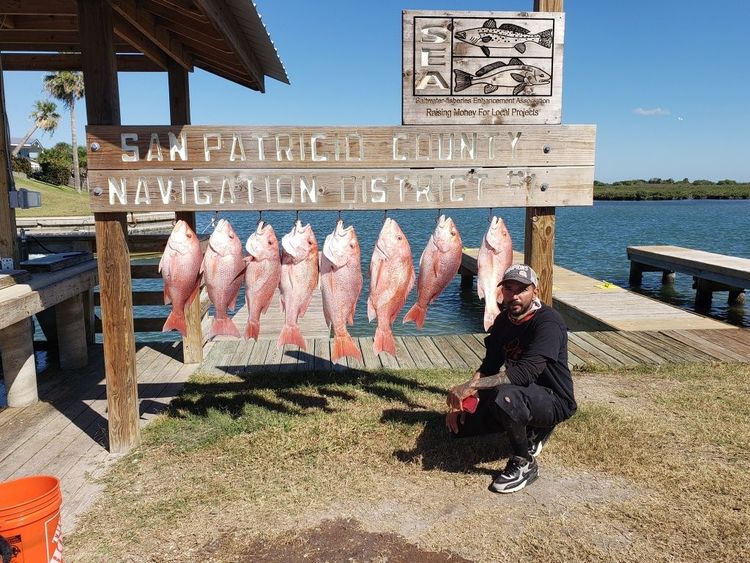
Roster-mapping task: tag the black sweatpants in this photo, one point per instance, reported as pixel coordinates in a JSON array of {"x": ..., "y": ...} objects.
[{"x": 511, "y": 409}]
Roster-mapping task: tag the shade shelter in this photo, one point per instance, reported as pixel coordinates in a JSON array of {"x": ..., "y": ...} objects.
[{"x": 102, "y": 38}]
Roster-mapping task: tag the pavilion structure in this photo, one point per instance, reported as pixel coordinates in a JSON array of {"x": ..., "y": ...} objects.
[{"x": 101, "y": 38}]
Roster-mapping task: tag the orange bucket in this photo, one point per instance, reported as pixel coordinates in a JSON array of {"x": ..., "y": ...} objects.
[{"x": 30, "y": 525}]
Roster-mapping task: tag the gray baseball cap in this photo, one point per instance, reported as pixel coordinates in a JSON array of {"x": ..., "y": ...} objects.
[{"x": 521, "y": 273}]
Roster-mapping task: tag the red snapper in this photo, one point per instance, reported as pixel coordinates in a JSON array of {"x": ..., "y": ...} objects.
[
  {"x": 180, "y": 269},
  {"x": 262, "y": 275},
  {"x": 495, "y": 256},
  {"x": 340, "y": 285},
  {"x": 223, "y": 268}
]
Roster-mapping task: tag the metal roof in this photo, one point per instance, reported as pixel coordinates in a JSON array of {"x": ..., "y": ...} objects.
[{"x": 224, "y": 37}]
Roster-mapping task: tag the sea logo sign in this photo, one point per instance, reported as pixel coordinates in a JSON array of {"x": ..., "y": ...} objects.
[{"x": 471, "y": 68}]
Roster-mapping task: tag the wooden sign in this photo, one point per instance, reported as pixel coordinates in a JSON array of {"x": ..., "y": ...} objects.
[
  {"x": 193, "y": 168},
  {"x": 482, "y": 67}
]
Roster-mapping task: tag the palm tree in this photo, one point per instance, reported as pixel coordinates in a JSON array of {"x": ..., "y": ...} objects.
[
  {"x": 45, "y": 117},
  {"x": 67, "y": 86}
]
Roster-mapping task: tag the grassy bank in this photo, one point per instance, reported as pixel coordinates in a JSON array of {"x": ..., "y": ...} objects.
[
  {"x": 57, "y": 201},
  {"x": 653, "y": 467},
  {"x": 663, "y": 191}
]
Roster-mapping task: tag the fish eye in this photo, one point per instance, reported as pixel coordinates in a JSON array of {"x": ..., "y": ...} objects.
[
  {"x": 400, "y": 237},
  {"x": 270, "y": 243},
  {"x": 189, "y": 235},
  {"x": 231, "y": 235},
  {"x": 453, "y": 233}
]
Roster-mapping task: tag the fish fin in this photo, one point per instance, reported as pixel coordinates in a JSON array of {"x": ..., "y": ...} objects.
[
  {"x": 518, "y": 89},
  {"x": 384, "y": 341},
  {"x": 291, "y": 335},
  {"x": 489, "y": 88},
  {"x": 491, "y": 24},
  {"x": 233, "y": 301},
  {"x": 194, "y": 293},
  {"x": 520, "y": 47},
  {"x": 491, "y": 311},
  {"x": 518, "y": 77},
  {"x": 161, "y": 262},
  {"x": 416, "y": 314},
  {"x": 252, "y": 330},
  {"x": 485, "y": 50},
  {"x": 545, "y": 38},
  {"x": 167, "y": 298},
  {"x": 480, "y": 291},
  {"x": 345, "y": 346},
  {"x": 175, "y": 321},
  {"x": 462, "y": 79},
  {"x": 515, "y": 61},
  {"x": 223, "y": 327},
  {"x": 489, "y": 68},
  {"x": 371, "y": 313},
  {"x": 410, "y": 286},
  {"x": 513, "y": 27}
]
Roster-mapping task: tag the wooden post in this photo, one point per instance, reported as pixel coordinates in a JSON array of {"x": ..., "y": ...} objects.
[
  {"x": 636, "y": 274},
  {"x": 8, "y": 239},
  {"x": 736, "y": 297},
  {"x": 703, "y": 294},
  {"x": 539, "y": 237},
  {"x": 103, "y": 108},
  {"x": 539, "y": 247},
  {"x": 71, "y": 333},
  {"x": 179, "y": 114},
  {"x": 19, "y": 366},
  {"x": 667, "y": 277}
]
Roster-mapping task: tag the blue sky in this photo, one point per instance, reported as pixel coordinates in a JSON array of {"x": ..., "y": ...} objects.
[{"x": 665, "y": 82}]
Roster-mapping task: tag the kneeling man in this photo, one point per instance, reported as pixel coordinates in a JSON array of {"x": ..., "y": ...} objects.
[{"x": 524, "y": 385}]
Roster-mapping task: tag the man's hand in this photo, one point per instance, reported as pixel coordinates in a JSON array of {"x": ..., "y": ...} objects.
[
  {"x": 458, "y": 393},
  {"x": 453, "y": 419}
]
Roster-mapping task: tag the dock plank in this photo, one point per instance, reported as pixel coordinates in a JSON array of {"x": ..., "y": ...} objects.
[
  {"x": 433, "y": 352},
  {"x": 612, "y": 352},
  {"x": 421, "y": 361}
]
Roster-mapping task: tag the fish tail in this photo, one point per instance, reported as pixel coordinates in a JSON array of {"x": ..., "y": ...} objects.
[
  {"x": 416, "y": 314},
  {"x": 223, "y": 327},
  {"x": 463, "y": 79},
  {"x": 545, "y": 38},
  {"x": 291, "y": 335},
  {"x": 384, "y": 341},
  {"x": 252, "y": 330},
  {"x": 491, "y": 310},
  {"x": 344, "y": 346},
  {"x": 175, "y": 321}
]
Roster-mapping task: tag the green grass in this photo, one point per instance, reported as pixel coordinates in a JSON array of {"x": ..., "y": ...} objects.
[
  {"x": 262, "y": 458},
  {"x": 57, "y": 201}
]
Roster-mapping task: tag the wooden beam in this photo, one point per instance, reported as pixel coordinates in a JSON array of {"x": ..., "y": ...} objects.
[
  {"x": 224, "y": 20},
  {"x": 183, "y": 7},
  {"x": 72, "y": 61},
  {"x": 539, "y": 237},
  {"x": 127, "y": 32},
  {"x": 113, "y": 260},
  {"x": 145, "y": 23},
  {"x": 36, "y": 7},
  {"x": 40, "y": 22},
  {"x": 8, "y": 239}
]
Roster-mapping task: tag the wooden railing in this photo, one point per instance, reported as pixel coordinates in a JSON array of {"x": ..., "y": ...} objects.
[{"x": 137, "y": 244}]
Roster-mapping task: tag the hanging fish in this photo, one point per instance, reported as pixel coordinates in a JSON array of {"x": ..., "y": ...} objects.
[
  {"x": 507, "y": 36},
  {"x": 437, "y": 267},
  {"x": 495, "y": 256},
  {"x": 513, "y": 74},
  {"x": 180, "y": 269},
  {"x": 340, "y": 285},
  {"x": 223, "y": 268},
  {"x": 262, "y": 275},
  {"x": 299, "y": 277},
  {"x": 391, "y": 280}
]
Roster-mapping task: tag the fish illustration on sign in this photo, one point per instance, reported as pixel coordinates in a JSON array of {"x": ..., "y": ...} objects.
[
  {"x": 506, "y": 36},
  {"x": 513, "y": 74}
]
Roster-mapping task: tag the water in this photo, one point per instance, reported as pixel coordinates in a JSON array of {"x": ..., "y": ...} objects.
[{"x": 589, "y": 240}]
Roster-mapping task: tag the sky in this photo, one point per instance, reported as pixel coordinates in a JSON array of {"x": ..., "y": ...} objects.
[{"x": 666, "y": 83}]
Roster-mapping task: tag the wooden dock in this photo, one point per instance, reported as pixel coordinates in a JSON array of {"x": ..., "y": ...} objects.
[
  {"x": 590, "y": 304},
  {"x": 710, "y": 271},
  {"x": 65, "y": 433},
  {"x": 312, "y": 325}
]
